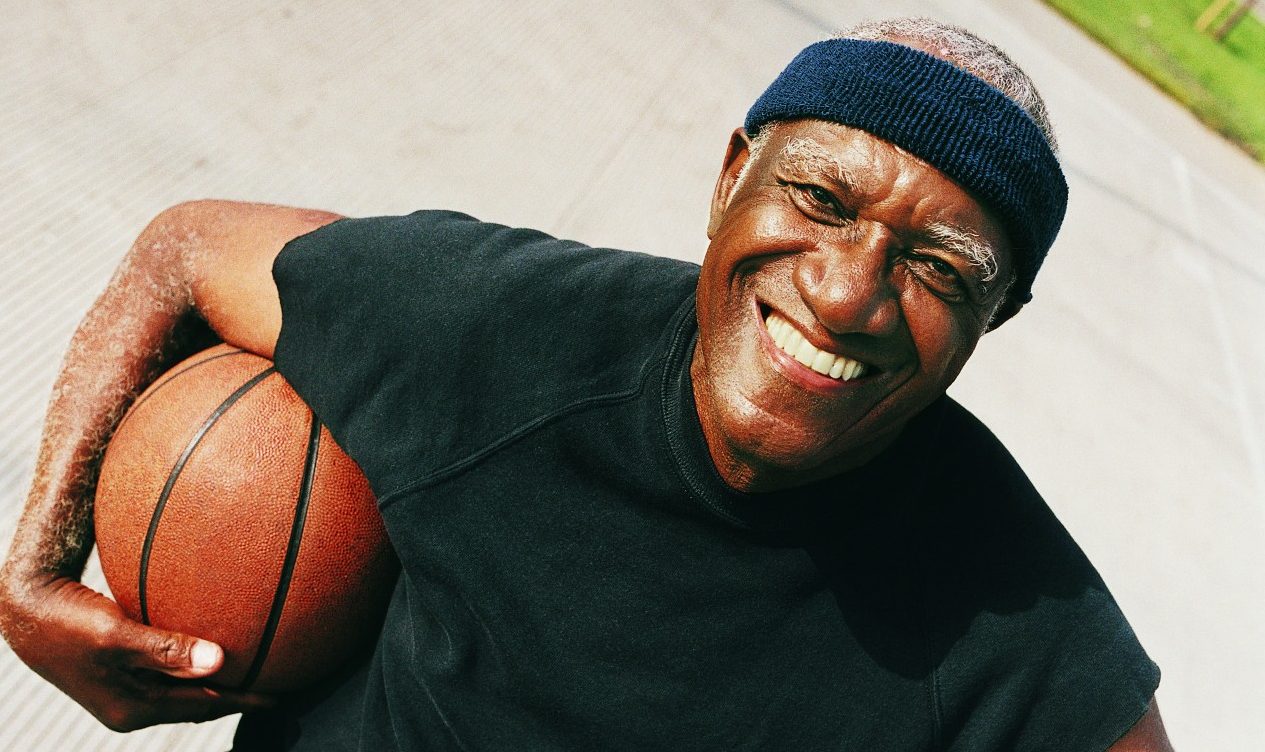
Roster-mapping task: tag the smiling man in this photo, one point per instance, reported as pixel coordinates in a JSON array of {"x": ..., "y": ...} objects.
[
  {"x": 846, "y": 285},
  {"x": 640, "y": 505}
]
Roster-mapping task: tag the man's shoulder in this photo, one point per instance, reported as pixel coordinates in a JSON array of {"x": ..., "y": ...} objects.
[
  {"x": 975, "y": 461},
  {"x": 433, "y": 238},
  {"x": 393, "y": 273},
  {"x": 991, "y": 525},
  {"x": 451, "y": 334}
]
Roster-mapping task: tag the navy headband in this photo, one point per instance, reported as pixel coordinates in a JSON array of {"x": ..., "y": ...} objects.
[{"x": 956, "y": 122}]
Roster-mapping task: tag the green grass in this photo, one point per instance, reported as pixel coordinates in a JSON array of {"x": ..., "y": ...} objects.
[{"x": 1222, "y": 83}]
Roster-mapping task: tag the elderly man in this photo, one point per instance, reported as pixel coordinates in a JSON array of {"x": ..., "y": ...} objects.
[{"x": 641, "y": 505}]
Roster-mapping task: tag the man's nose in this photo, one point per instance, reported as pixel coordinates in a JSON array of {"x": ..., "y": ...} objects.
[{"x": 848, "y": 285}]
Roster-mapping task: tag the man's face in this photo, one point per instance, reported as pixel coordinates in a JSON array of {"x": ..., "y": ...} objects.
[{"x": 867, "y": 254}]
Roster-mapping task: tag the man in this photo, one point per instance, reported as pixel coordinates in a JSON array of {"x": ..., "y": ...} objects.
[{"x": 641, "y": 505}]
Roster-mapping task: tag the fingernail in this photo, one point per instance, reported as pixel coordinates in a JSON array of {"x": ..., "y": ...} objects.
[{"x": 204, "y": 654}]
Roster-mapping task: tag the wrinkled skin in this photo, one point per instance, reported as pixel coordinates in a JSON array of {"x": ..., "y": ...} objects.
[{"x": 854, "y": 269}]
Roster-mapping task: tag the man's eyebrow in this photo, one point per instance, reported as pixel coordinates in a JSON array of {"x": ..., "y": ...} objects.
[
  {"x": 966, "y": 244},
  {"x": 809, "y": 157}
]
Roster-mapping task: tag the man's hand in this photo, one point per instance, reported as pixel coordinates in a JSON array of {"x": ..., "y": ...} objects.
[{"x": 126, "y": 674}]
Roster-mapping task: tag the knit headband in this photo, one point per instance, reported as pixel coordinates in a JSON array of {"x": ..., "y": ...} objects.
[{"x": 956, "y": 122}]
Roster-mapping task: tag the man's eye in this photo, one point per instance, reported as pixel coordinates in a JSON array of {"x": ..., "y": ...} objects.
[
  {"x": 818, "y": 202},
  {"x": 942, "y": 267},
  {"x": 938, "y": 274},
  {"x": 820, "y": 195}
]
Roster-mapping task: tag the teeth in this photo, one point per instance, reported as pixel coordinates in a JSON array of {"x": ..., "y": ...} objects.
[
  {"x": 823, "y": 362},
  {"x": 805, "y": 352},
  {"x": 783, "y": 334},
  {"x": 793, "y": 343}
]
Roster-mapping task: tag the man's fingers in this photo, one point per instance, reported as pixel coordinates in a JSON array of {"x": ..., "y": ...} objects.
[
  {"x": 242, "y": 701},
  {"x": 172, "y": 653},
  {"x": 191, "y": 704},
  {"x": 220, "y": 701}
]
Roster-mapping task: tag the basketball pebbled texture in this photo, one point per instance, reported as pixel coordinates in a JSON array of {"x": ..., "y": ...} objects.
[{"x": 226, "y": 512}]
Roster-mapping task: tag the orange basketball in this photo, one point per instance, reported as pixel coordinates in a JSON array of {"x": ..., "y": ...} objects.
[{"x": 225, "y": 511}]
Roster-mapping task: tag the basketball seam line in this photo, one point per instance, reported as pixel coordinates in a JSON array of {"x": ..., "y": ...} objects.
[
  {"x": 172, "y": 377},
  {"x": 148, "y": 546},
  {"x": 291, "y": 557}
]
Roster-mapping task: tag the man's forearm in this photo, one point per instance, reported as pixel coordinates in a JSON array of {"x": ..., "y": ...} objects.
[
  {"x": 138, "y": 324},
  {"x": 199, "y": 266},
  {"x": 198, "y": 262}
]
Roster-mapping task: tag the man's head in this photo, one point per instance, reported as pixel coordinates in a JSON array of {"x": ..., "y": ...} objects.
[{"x": 891, "y": 210}]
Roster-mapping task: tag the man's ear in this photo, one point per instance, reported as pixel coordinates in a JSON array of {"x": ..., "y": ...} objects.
[
  {"x": 1005, "y": 312},
  {"x": 736, "y": 155}
]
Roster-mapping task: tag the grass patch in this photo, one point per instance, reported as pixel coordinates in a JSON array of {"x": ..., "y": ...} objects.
[{"x": 1222, "y": 83}]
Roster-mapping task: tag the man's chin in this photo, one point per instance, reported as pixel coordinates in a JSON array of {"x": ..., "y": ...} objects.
[{"x": 775, "y": 435}]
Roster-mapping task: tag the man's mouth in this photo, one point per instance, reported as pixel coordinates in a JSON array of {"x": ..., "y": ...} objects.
[{"x": 792, "y": 342}]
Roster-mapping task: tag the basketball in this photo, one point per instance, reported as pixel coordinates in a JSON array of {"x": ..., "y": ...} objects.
[{"x": 225, "y": 510}]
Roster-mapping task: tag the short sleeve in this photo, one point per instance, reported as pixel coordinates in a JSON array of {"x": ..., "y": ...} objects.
[
  {"x": 1035, "y": 653},
  {"x": 423, "y": 340}
]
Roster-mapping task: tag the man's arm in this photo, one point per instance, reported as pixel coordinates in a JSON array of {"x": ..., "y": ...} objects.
[
  {"x": 205, "y": 262},
  {"x": 1147, "y": 735}
]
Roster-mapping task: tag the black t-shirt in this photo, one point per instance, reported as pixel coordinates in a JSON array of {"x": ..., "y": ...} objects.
[{"x": 575, "y": 574}]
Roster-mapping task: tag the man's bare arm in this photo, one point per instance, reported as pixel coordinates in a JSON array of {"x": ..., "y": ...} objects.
[{"x": 206, "y": 262}]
